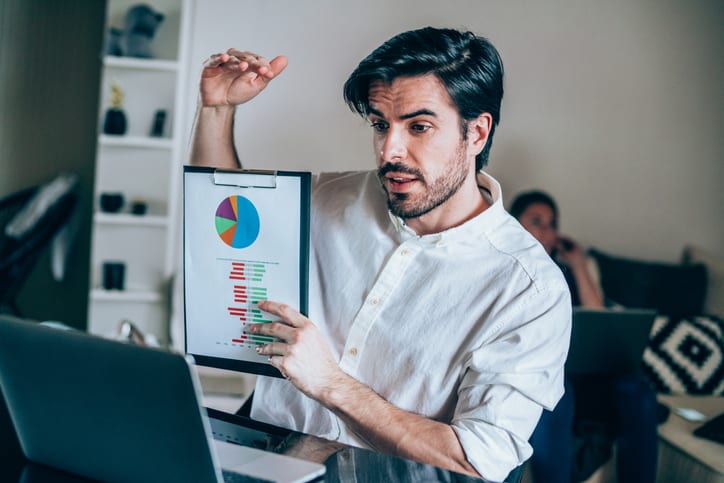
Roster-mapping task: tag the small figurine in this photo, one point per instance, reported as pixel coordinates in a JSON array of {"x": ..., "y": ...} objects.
[
  {"x": 116, "y": 96},
  {"x": 134, "y": 39},
  {"x": 140, "y": 24},
  {"x": 115, "y": 122}
]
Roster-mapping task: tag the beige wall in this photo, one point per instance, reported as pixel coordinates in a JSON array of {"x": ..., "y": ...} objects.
[
  {"x": 49, "y": 77},
  {"x": 615, "y": 107}
]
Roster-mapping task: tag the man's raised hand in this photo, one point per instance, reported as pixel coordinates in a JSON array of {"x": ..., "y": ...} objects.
[{"x": 235, "y": 77}]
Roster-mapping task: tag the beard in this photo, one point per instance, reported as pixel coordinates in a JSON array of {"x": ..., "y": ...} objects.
[{"x": 436, "y": 191}]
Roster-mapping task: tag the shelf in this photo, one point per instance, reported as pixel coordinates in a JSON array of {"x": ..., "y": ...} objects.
[
  {"x": 127, "y": 219},
  {"x": 144, "y": 169},
  {"x": 139, "y": 296},
  {"x": 135, "y": 142},
  {"x": 138, "y": 63}
]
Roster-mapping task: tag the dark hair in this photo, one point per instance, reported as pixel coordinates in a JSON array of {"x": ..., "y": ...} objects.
[
  {"x": 468, "y": 66},
  {"x": 525, "y": 199}
]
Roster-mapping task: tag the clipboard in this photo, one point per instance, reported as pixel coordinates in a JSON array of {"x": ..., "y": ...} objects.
[{"x": 246, "y": 239}]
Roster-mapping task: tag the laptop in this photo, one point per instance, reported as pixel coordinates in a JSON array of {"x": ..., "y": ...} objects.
[
  {"x": 116, "y": 412},
  {"x": 608, "y": 341}
]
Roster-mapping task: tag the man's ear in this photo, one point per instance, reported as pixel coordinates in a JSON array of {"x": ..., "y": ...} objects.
[{"x": 478, "y": 132}]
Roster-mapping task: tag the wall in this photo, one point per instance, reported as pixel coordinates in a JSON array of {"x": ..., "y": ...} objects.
[
  {"x": 614, "y": 107},
  {"x": 49, "y": 78}
]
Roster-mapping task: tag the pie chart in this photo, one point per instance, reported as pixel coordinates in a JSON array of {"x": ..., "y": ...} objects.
[{"x": 237, "y": 222}]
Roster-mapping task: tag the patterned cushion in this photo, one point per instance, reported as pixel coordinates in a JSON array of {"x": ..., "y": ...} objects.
[{"x": 686, "y": 355}]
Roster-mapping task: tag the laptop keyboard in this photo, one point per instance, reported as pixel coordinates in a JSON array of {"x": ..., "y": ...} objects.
[{"x": 232, "y": 477}]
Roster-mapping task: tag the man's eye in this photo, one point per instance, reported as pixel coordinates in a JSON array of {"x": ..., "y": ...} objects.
[
  {"x": 420, "y": 128},
  {"x": 380, "y": 126}
]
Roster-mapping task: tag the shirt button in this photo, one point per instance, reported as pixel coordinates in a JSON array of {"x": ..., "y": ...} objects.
[
  {"x": 353, "y": 351},
  {"x": 404, "y": 252},
  {"x": 375, "y": 301}
]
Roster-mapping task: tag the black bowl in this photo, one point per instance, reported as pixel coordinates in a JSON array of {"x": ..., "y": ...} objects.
[{"x": 111, "y": 202}]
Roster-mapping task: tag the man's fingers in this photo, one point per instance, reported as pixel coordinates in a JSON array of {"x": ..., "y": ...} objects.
[
  {"x": 249, "y": 57},
  {"x": 259, "y": 63},
  {"x": 273, "y": 349},
  {"x": 279, "y": 330},
  {"x": 283, "y": 311},
  {"x": 214, "y": 61},
  {"x": 241, "y": 54},
  {"x": 217, "y": 60},
  {"x": 278, "y": 64},
  {"x": 277, "y": 361}
]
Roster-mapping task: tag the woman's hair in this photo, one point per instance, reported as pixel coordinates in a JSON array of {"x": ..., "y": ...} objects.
[
  {"x": 523, "y": 200},
  {"x": 468, "y": 66}
]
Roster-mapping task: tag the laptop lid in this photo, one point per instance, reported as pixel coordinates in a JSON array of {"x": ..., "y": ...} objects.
[
  {"x": 608, "y": 341},
  {"x": 112, "y": 411}
]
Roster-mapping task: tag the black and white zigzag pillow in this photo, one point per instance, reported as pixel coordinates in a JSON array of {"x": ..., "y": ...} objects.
[{"x": 686, "y": 356}]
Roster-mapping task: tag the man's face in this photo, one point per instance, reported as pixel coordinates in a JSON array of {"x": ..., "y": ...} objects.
[{"x": 422, "y": 158}]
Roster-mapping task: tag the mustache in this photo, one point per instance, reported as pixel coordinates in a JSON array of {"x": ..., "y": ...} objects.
[{"x": 399, "y": 168}]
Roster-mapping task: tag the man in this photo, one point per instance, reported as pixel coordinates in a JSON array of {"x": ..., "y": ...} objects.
[{"x": 438, "y": 327}]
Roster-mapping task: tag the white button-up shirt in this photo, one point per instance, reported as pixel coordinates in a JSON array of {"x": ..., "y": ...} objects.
[{"x": 469, "y": 326}]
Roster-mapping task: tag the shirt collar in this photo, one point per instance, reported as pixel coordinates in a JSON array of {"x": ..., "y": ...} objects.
[{"x": 480, "y": 224}]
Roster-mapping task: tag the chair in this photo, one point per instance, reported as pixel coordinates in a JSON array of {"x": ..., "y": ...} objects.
[{"x": 20, "y": 251}]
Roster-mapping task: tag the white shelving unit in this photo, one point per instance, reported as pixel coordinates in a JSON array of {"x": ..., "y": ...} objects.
[
  {"x": 131, "y": 220},
  {"x": 141, "y": 64},
  {"x": 141, "y": 168},
  {"x": 135, "y": 142}
]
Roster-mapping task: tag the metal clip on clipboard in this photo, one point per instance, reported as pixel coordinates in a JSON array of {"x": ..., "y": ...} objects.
[{"x": 246, "y": 178}]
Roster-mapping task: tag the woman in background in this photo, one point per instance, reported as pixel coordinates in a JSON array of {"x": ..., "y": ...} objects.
[
  {"x": 626, "y": 404},
  {"x": 538, "y": 214}
]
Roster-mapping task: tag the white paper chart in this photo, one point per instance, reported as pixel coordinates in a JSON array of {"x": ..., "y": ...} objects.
[{"x": 242, "y": 244}]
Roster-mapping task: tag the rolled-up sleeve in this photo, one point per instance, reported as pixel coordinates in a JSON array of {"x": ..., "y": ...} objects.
[{"x": 509, "y": 380}]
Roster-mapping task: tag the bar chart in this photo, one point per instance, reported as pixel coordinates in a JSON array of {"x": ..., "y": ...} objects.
[{"x": 247, "y": 279}]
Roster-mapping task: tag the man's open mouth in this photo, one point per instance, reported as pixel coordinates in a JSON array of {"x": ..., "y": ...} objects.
[{"x": 400, "y": 183}]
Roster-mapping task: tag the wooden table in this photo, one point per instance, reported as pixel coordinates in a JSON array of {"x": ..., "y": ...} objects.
[{"x": 683, "y": 456}]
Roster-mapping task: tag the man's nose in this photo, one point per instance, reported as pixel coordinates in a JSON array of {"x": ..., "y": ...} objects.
[{"x": 394, "y": 146}]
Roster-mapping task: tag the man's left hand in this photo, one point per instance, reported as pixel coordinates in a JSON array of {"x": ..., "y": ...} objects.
[{"x": 301, "y": 354}]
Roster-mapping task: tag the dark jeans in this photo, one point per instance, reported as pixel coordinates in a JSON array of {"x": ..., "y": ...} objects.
[
  {"x": 625, "y": 404},
  {"x": 552, "y": 441}
]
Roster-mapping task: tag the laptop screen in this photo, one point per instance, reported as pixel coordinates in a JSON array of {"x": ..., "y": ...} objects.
[
  {"x": 608, "y": 341},
  {"x": 118, "y": 412}
]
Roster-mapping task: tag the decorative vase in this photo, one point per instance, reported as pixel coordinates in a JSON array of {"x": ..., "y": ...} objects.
[{"x": 115, "y": 122}]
